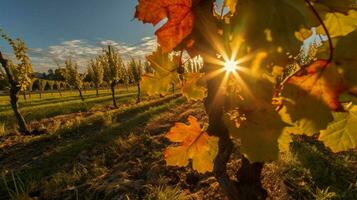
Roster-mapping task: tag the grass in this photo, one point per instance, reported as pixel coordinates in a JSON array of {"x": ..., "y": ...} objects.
[
  {"x": 121, "y": 123},
  {"x": 65, "y": 106},
  {"x": 166, "y": 192},
  {"x": 312, "y": 172},
  {"x": 53, "y": 98}
]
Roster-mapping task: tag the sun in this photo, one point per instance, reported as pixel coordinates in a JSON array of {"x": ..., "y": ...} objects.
[{"x": 230, "y": 66}]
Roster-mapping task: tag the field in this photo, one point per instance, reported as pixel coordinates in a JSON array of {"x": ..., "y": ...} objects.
[
  {"x": 92, "y": 151},
  {"x": 205, "y": 100}
]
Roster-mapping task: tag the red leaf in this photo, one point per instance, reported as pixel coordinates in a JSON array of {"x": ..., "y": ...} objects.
[
  {"x": 178, "y": 26},
  {"x": 321, "y": 81}
]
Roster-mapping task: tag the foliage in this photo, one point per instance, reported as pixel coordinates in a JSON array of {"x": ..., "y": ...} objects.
[
  {"x": 265, "y": 38},
  {"x": 164, "y": 75},
  {"x": 112, "y": 64},
  {"x": 136, "y": 70},
  {"x": 72, "y": 76},
  {"x": 22, "y": 68},
  {"x": 195, "y": 144},
  {"x": 96, "y": 72}
]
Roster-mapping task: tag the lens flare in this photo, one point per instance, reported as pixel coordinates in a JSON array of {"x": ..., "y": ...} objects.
[{"x": 230, "y": 66}]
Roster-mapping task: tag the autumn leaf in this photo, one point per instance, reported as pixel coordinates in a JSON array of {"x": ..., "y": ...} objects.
[
  {"x": 191, "y": 88},
  {"x": 194, "y": 144},
  {"x": 309, "y": 98},
  {"x": 339, "y": 24},
  {"x": 341, "y": 134},
  {"x": 257, "y": 124},
  {"x": 263, "y": 18},
  {"x": 178, "y": 26},
  {"x": 341, "y": 6},
  {"x": 345, "y": 58},
  {"x": 303, "y": 34},
  {"x": 231, "y": 4},
  {"x": 164, "y": 75},
  {"x": 321, "y": 81},
  {"x": 259, "y": 134}
]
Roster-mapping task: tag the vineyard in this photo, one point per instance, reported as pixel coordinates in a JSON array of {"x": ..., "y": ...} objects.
[{"x": 236, "y": 100}]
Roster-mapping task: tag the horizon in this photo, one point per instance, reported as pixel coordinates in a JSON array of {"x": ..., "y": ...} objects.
[{"x": 54, "y": 31}]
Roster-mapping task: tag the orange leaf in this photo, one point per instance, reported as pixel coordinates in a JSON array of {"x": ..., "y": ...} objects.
[
  {"x": 178, "y": 26},
  {"x": 321, "y": 81},
  {"x": 194, "y": 144}
]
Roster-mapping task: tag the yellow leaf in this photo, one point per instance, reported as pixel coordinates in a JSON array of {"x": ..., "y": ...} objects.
[
  {"x": 194, "y": 144},
  {"x": 303, "y": 34},
  {"x": 164, "y": 75},
  {"x": 339, "y": 24},
  {"x": 259, "y": 134},
  {"x": 341, "y": 134},
  {"x": 191, "y": 88},
  {"x": 231, "y": 4}
]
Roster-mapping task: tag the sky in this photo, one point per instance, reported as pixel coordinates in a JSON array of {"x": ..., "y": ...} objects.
[{"x": 57, "y": 29}]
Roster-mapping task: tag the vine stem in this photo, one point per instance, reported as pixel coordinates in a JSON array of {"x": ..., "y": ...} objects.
[
  {"x": 325, "y": 29},
  {"x": 331, "y": 47}
]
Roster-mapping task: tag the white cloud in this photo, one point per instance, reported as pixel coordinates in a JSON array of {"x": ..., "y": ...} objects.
[{"x": 82, "y": 51}]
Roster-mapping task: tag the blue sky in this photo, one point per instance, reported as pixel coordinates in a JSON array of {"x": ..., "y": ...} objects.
[{"x": 53, "y": 29}]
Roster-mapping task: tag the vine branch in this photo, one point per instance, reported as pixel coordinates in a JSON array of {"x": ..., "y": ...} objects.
[{"x": 325, "y": 29}]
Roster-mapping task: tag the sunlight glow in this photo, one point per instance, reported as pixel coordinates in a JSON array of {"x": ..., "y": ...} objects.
[{"x": 231, "y": 66}]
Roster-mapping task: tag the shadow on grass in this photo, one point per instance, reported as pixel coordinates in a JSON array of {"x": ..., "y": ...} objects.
[
  {"x": 320, "y": 171},
  {"x": 123, "y": 123},
  {"x": 45, "y": 111}
]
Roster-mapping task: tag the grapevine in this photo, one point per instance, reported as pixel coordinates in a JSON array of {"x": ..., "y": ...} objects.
[{"x": 258, "y": 87}]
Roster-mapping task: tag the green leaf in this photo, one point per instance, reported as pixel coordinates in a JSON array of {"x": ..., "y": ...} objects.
[
  {"x": 346, "y": 59},
  {"x": 164, "y": 75},
  {"x": 265, "y": 25},
  {"x": 341, "y": 134},
  {"x": 342, "y": 6},
  {"x": 191, "y": 88},
  {"x": 259, "y": 134},
  {"x": 306, "y": 112},
  {"x": 285, "y": 138},
  {"x": 231, "y": 4},
  {"x": 257, "y": 125},
  {"x": 339, "y": 24}
]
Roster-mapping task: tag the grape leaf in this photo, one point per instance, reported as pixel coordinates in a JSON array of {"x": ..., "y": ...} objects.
[
  {"x": 341, "y": 134},
  {"x": 191, "y": 88},
  {"x": 342, "y": 6},
  {"x": 307, "y": 113},
  {"x": 178, "y": 26},
  {"x": 164, "y": 74},
  {"x": 310, "y": 98},
  {"x": 260, "y": 125},
  {"x": 194, "y": 144},
  {"x": 346, "y": 59},
  {"x": 321, "y": 81},
  {"x": 339, "y": 24},
  {"x": 303, "y": 34},
  {"x": 259, "y": 134},
  {"x": 260, "y": 17},
  {"x": 285, "y": 138},
  {"x": 231, "y": 4}
]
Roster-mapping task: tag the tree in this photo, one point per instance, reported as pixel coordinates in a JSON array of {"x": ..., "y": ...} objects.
[
  {"x": 3, "y": 81},
  {"x": 41, "y": 86},
  {"x": 135, "y": 69},
  {"x": 262, "y": 87},
  {"x": 96, "y": 73},
  {"x": 72, "y": 76},
  {"x": 113, "y": 65},
  {"x": 126, "y": 77},
  {"x": 18, "y": 76}
]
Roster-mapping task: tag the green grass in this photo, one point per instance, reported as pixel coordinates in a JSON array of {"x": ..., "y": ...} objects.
[
  {"x": 313, "y": 172},
  {"x": 55, "y": 97},
  {"x": 120, "y": 123},
  {"x": 62, "y": 106}
]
